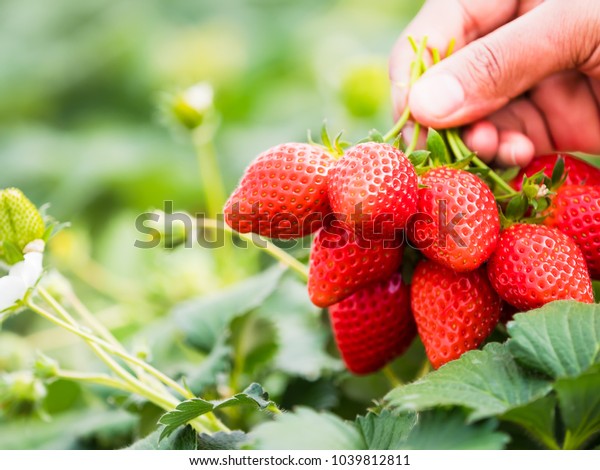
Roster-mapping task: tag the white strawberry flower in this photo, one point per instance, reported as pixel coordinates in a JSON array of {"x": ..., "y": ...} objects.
[
  {"x": 543, "y": 191},
  {"x": 22, "y": 276},
  {"x": 199, "y": 97}
]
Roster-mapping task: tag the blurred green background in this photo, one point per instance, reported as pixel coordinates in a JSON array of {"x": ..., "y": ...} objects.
[{"x": 80, "y": 128}]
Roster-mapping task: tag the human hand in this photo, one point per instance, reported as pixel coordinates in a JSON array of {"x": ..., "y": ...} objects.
[{"x": 526, "y": 77}]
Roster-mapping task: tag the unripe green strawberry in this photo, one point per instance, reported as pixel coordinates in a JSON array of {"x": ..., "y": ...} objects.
[
  {"x": 20, "y": 221},
  {"x": 533, "y": 265}
]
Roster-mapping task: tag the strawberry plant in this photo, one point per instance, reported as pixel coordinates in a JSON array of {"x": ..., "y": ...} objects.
[{"x": 408, "y": 298}]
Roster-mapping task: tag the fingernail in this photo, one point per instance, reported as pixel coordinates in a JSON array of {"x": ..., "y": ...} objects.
[{"x": 437, "y": 96}]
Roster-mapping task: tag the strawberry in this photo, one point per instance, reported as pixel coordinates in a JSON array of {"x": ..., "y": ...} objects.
[
  {"x": 534, "y": 264},
  {"x": 575, "y": 211},
  {"x": 458, "y": 221},
  {"x": 578, "y": 171},
  {"x": 283, "y": 193},
  {"x": 373, "y": 190},
  {"x": 454, "y": 312},
  {"x": 342, "y": 262},
  {"x": 374, "y": 325}
]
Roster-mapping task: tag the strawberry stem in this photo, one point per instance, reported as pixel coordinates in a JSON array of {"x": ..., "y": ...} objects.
[
  {"x": 391, "y": 376},
  {"x": 417, "y": 67},
  {"x": 400, "y": 123},
  {"x": 266, "y": 245},
  {"x": 461, "y": 151},
  {"x": 415, "y": 139}
]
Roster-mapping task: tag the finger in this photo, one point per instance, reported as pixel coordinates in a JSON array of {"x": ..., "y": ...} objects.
[
  {"x": 522, "y": 115},
  {"x": 483, "y": 76},
  {"x": 514, "y": 149},
  {"x": 482, "y": 138},
  {"x": 571, "y": 109},
  {"x": 443, "y": 21},
  {"x": 408, "y": 132}
]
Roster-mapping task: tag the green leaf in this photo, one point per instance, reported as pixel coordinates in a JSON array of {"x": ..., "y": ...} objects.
[
  {"x": 325, "y": 136},
  {"x": 516, "y": 207},
  {"x": 579, "y": 404},
  {"x": 447, "y": 430},
  {"x": 375, "y": 136},
  {"x": 537, "y": 418},
  {"x": 254, "y": 343},
  {"x": 65, "y": 430},
  {"x": 437, "y": 147},
  {"x": 190, "y": 409},
  {"x": 419, "y": 157},
  {"x": 302, "y": 340},
  {"x": 222, "y": 440},
  {"x": 561, "y": 339},
  {"x": 386, "y": 431},
  {"x": 509, "y": 174},
  {"x": 558, "y": 171},
  {"x": 205, "y": 374},
  {"x": 487, "y": 382},
  {"x": 184, "y": 438},
  {"x": 306, "y": 429},
  {"x": 432, "y": 430},
  {"x": 205, "y": 319}
]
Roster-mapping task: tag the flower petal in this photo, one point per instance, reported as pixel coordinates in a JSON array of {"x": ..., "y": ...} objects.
[
  {"x": 12, "y": 288},
  {"x": 28, "y": 270}
]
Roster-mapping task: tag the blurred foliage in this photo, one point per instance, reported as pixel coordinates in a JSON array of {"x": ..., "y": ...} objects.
[{"x": 80, "y": 128}]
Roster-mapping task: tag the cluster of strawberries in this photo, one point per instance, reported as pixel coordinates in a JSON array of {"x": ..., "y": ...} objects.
[{"x": 474, "y": 266}]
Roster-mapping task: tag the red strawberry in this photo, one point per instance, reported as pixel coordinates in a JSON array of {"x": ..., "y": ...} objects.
[
  {"x": 534, "y": 265},
  {"x": 374, "y": 325},
  {"x": 283, "y": 193},
  {"x": 455, "y": 312},
  {"x": 575, "y": 211},
  {"x": 342, "y": 263},
  {"x": 578, "y": 171},
  {"x": 458, "y": 222},
  {"x": 373, "y": 189}
]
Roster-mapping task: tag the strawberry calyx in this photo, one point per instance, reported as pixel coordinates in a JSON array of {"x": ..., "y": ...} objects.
[
  {"x": 530, "y": 205},
  {"x": 335, "y": 147}
]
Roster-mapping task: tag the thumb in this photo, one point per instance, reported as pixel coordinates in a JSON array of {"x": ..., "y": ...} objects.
[{"x": 486, "y": 74}]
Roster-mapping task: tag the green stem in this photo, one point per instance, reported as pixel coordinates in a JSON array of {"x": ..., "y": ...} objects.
[
  {"x": 98, "y": 379},
  {"x": 463, "y": 151},
  {"x": 417, "y": 67},
  {"x": 400, "y": 123},
  {"x": 391, "y": 376},
  {"x": 495, "y": 177},
  {"x": 165, "y": 400},
  {"x": 423, "y": 370},
  {"x": 266, "y": 245},
  {"x": 456, "y": 150},
  {"x": 102, "y": 331},
  {"x": 415, "y": 139},
  {"x": 210, "y": 174},
  {"x": 119, "y": 350}
]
